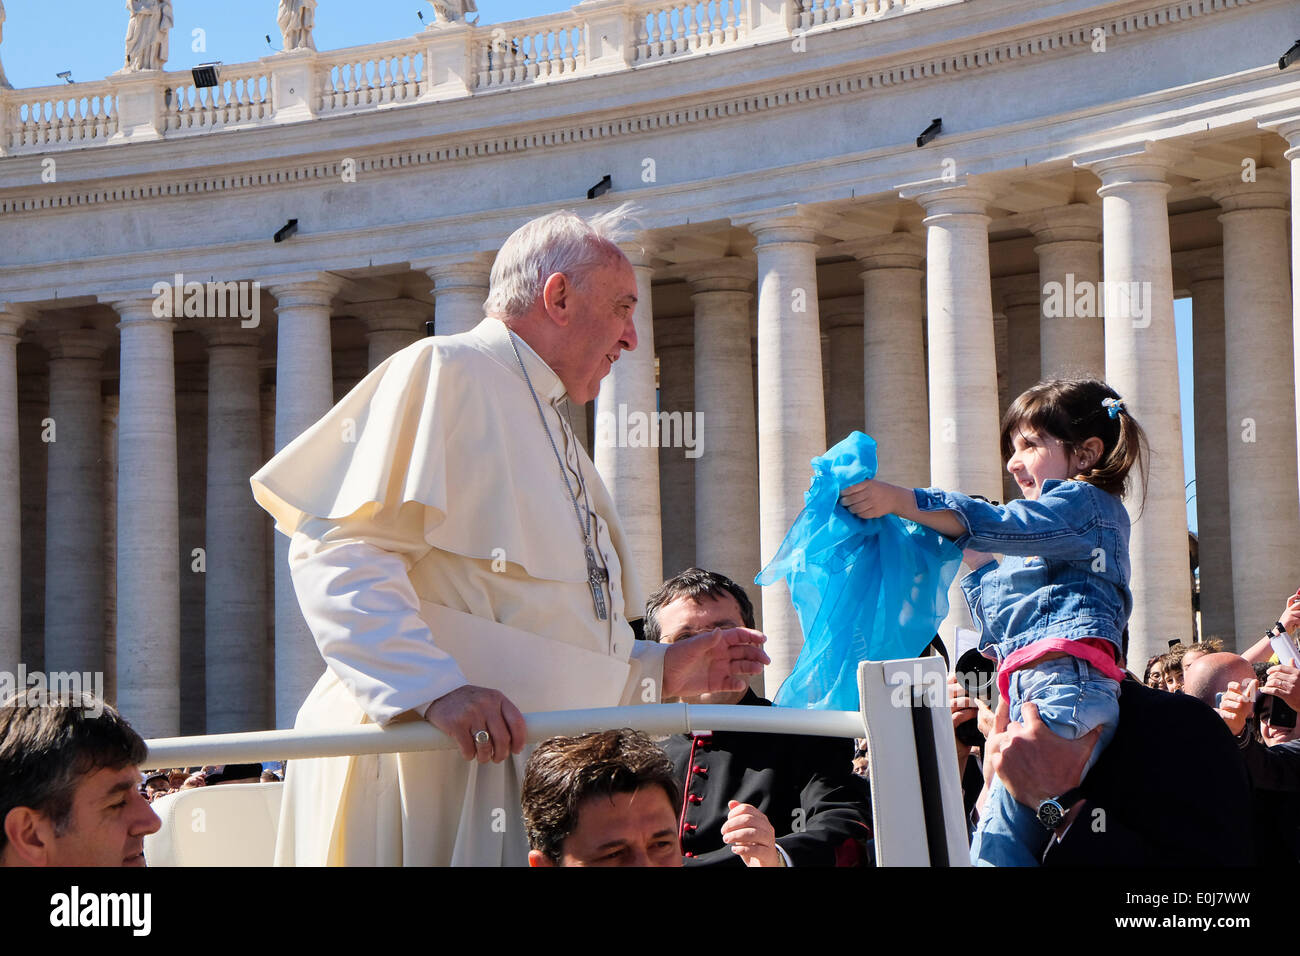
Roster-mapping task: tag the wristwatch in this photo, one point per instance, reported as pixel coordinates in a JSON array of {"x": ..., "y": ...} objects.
[{"x": 1053, "y": 810}]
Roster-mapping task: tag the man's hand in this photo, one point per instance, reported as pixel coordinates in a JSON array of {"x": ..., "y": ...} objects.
[
  {"x": 750, "y": 835},
  {"x": 1032, "y": 762},
  {"x": 713, "y": 662},
  {"x": 874, "y": 499},
  {"x": 1290, "y": 618},
  {"x": 1237, "y": 705},
  {"x": 467, "y": 710}
]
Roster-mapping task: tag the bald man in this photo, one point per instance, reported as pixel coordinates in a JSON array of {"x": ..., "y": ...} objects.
[{"x": 1210, "y": 674}]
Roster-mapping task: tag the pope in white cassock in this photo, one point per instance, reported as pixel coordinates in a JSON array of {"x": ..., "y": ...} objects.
[{"x": 458, "y": 559}]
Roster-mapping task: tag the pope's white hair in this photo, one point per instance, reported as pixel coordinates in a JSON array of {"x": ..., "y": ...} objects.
[{"x": 561, "y": 241}]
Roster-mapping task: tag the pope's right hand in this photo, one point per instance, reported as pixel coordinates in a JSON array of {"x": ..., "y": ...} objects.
[{"x": 467, "y": 710}]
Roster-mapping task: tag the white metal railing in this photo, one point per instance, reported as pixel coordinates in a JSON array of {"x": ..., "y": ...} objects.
[
  {"x": 658, "y": 719},
  {"x": 242, "y": 98},
  {"x": 47, "y": 117},
  {"x": 372, "y": 76}
]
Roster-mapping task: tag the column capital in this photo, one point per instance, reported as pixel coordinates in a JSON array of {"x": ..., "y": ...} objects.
[
  {"x": 643, "y": 251},
  {"x": 1288, "y": 127},
  {"x": 1201, "y": 265},
  {"x": 727, "y": 274},
  {"x": 1019, "y": 291},
  {"x": 13, "y": 316},
  {"x": 677, "y": 331},
  {"x": 1133, "y": 165},
  {"x": 304, "y": 290},
  {"x": 74, "y": 343},
  {"x": 943, "y": 197},
  {"x": 1271, "y": 189},
  {"x": 774, "y": 228},
  {"x": 225, "y": 332},
  {"x": 392, "y": 315},
  {"x": 895, "y": 250},
  {"x": 461, "y": 270},
  {"x": 1075, "y": 222},
  {"x": 139, "y": 310}
]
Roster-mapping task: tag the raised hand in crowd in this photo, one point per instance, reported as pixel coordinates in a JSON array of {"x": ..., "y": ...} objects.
[{"x": 1237, "y": 704}]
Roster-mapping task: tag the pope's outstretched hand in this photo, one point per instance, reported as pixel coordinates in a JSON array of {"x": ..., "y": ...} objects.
[
  {"x": 481, "y": 720},
  {"x": 713, "y": 662}
]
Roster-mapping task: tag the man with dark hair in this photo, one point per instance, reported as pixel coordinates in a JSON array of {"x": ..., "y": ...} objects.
[
  {"x": 70, "y": 784},
  {"x": 601, "y": 799},
  {"x": 756, "y": 799}
]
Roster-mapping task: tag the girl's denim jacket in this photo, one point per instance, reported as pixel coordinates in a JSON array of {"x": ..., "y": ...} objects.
[{"x": 1066, "y": 570}]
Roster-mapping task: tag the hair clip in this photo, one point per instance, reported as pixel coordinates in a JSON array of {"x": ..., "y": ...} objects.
[{"x": 1113, "y": 406}]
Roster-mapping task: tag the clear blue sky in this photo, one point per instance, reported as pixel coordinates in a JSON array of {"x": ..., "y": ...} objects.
[{"x": 44, "y": 37}]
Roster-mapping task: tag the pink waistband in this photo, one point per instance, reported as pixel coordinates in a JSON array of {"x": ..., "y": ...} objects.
[{"x": 1098, "y": 652}]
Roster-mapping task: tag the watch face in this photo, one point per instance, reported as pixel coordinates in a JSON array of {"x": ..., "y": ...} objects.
[{"x": 1050, "y": 814}]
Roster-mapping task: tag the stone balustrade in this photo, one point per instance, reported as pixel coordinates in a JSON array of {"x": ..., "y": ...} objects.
[{"x": 445, "y": 61}]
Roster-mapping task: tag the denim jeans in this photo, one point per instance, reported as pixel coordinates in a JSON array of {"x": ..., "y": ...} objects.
[{"x": 1073, "y": 698}]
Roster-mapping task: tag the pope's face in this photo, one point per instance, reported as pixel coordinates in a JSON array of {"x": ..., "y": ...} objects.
[
  {"x": 599, "y": 327},
  {"x": 624, "y": 829}
]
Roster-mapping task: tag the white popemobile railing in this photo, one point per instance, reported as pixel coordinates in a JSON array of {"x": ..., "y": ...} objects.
[{"x": 915, "y": 789}]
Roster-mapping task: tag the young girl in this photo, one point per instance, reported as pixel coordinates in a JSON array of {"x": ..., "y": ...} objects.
[{"x": 1052, "y": 612}]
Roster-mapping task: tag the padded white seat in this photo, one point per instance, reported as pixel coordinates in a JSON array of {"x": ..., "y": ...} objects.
[{"x": 231, "y": 824}]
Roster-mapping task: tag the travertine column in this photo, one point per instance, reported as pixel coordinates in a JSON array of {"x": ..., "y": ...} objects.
[
  {"x": 844, "y": 379},
  {"x": 631, "y": 472},
  {"x": 11, "y": 545},
  {"x": 192, "y": 458},
  {"x": 148, "y": 567},
  {"x": 1214, "y": 531},
  {"x": 791, "y": 409},
  {"x": 460, "y": 287},
  {"x": 1260, "y": 394},
  {"x": 1019, "y": 296},
  {"x": 726, "y": 469},
  {"x": 235, "y": 620},
  {"x": 675, "y": 348},
  {"x": 108, "y": 550},
  {"x": 269, "y": 545},
  {"x": 74, "y": 526},
  {"x": 33, "y": 412},
  {"x": 963, "y": 373},
  {"x": 391, "y": 325},
  {"x": 964, "y": 454},
  {"x": 1142, "y": 365},
  {"x": 893, "y": 356},
  {"x": 304, "y": 390},
  {"x": 1073, "y": 339},
  {"x": 1289, "y": 129}
]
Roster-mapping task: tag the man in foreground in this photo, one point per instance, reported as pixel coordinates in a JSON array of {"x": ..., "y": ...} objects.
[
  {"x": 70, "y": 784},
  {"x": 601, "y": 799}
]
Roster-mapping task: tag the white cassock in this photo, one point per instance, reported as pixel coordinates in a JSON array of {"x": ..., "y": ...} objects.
[{"x": 433, "y": 544}]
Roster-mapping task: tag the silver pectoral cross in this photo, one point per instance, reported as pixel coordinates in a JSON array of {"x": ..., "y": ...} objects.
[{"x": 596, "y": 578}]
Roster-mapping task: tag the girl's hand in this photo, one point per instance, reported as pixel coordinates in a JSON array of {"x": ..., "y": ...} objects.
[
  {"x": 975, "y": 559},
  {"x": 875, "y": 499}
]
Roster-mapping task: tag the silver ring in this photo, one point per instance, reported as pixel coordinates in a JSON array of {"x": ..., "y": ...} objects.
[{"x": 482, "y": 738}]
